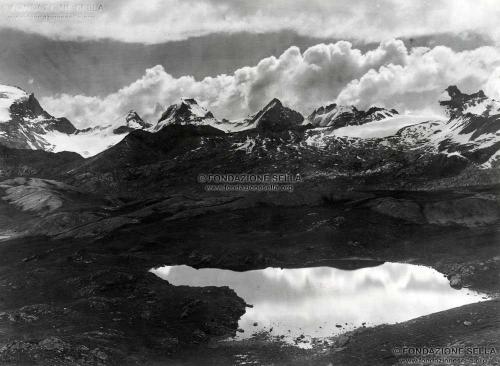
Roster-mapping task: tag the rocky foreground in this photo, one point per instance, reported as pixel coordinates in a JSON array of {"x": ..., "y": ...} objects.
[{"x": 81, "y": 300}]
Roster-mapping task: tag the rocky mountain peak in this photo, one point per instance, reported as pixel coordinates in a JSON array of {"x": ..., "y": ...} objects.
[
  {"x": 455, "y": 93},
  {"x": 132, "y": 116},
  {"x": 187, "y": 111},
  {"x": 132, "y": 122},
  {"x": 461, "y": 103},
  {"x": 27, "y": 108},
  {"x": 189, "y": 101},
  {"x": 276, "y": 117},
  {"x": 17, "y": 104},
  {"x": 19, "y": 107},
  {"x": 274, "y": 103},
  {"x": 135, "y": 121},
  {"x": 24, "y": 123},
  {"x": 474, "y": 115}
]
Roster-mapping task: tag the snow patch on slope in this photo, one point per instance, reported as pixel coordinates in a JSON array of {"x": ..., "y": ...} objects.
[
  {"x": 246, "y": 146},
  {"x": 9, "y": 95},
  {"x": 317, "y": 137}
]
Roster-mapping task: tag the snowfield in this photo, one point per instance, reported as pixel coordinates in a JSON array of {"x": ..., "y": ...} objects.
[
  {"x": 385, "y": 127},
  {"x": 86, "y": 144}
]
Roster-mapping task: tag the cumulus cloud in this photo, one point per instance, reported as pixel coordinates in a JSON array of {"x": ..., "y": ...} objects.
[
  {"x": 156, "y": 21},
  {"x": 390, "y": 76},
  {"x": 492, "y": 87},
  {"x": 417, "y": 84}
]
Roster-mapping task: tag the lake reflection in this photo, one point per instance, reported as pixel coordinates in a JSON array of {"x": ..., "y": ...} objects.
[{"x": 314, "y": 301}]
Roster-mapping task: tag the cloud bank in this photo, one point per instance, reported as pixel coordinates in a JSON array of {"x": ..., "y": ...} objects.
[
  {"x": 391, "y": 76},
  {"x": 156, "y": 21}
]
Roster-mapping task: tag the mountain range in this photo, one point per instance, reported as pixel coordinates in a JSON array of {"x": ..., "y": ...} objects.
[
  {"x": 336, "y": 147},
  {"x": 25, "y": 124},
  {"x": 472, "y": 124}
]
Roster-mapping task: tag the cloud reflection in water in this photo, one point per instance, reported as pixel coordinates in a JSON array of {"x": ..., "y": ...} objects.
[{"x": 312, "y": 301}]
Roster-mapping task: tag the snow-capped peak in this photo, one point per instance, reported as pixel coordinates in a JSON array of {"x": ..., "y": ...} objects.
[
  {"x": 194, "y": 107},
  {"x": 24, "y": 124},
  {"x": 187, "y": 111},
  {"x": 132, "y": 122},
  {"x": 135, "y": 121},
  {"x": 8, "y": 96}
]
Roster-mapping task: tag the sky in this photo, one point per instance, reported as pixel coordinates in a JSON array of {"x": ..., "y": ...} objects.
[{"x": 93, "y": 61}]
